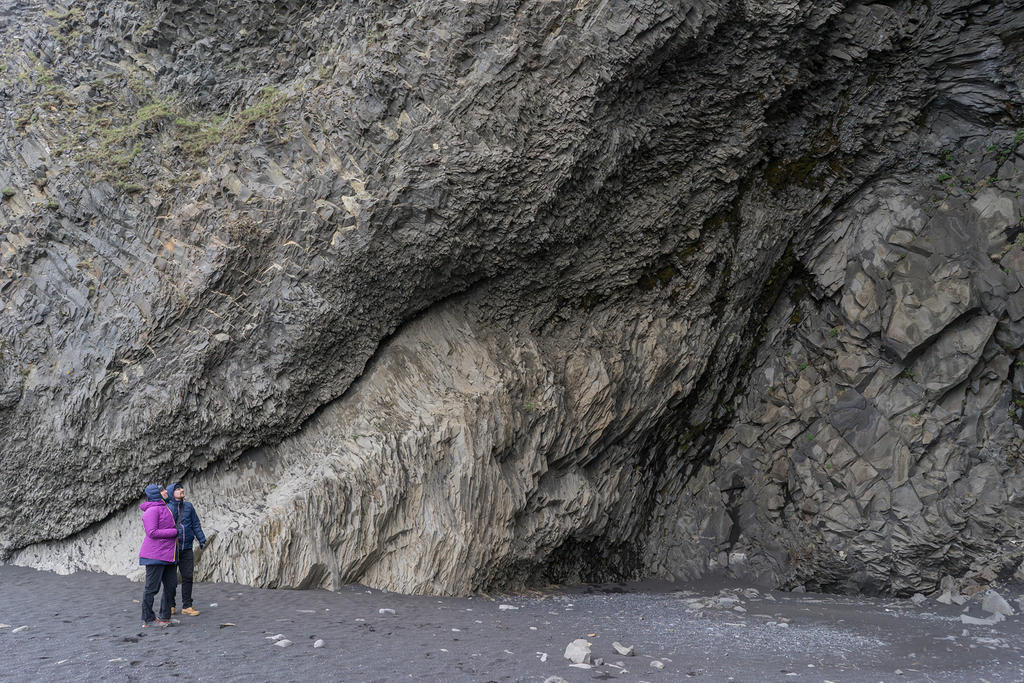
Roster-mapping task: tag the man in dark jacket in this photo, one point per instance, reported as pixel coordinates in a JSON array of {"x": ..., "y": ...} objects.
[{"x": 188, "y": 521}]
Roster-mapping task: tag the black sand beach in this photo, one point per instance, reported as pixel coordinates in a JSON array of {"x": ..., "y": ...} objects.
[{"x": 87, "y": 627}]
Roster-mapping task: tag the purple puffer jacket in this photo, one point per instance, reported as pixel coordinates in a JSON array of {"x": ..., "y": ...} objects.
[{"x": 160, "y": 532}]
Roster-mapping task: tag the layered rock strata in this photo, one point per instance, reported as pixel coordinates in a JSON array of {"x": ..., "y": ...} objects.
[{"x": 442, "y": 297}]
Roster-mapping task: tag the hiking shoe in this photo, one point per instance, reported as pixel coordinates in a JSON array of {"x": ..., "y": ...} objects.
[
  {"x": 162, "y": 623},
  {"x": 191, "y": 611},
  {"x": 172, "y": 610}
]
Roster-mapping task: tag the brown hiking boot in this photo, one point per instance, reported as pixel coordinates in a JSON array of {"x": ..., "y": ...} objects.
[
  {"x": 191, "y": 611},
  {"x": 172, "y": 610}
]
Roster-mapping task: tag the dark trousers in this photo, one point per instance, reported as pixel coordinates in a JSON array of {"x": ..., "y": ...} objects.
[
  {"x": 157, "y": 575},
  {"x": 186, "y": 564}
]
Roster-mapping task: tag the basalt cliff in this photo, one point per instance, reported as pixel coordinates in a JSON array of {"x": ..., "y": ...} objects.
[{"x": 447, "y": 296}]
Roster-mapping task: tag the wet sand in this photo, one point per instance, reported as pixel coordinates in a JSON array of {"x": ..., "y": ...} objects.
[{"x": 87, "y": 627}]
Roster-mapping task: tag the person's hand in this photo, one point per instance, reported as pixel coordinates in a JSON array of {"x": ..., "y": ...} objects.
[{"x": 202, "y": 546}]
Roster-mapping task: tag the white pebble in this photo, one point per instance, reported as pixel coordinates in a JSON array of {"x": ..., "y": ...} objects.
[
  {"x": 506, "y": 607},
  {"x": 5, "y": 625},
  {"x": 279, "y": 636},
  {"x": 319, "y": 643},
  {"x": 386, "y": 610},
  {"x": 658, "y": 665},
  {"x": 213, "y": 604},
  {"x": 283, "y": 643},
  {"x": 19, "y": 629}
]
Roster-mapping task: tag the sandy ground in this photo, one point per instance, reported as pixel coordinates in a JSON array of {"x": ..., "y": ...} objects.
[{"x": 87, "y": 627}]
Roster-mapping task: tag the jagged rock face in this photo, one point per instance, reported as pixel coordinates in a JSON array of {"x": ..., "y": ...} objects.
[
  {"x": 446, "y": 297},
  {"x": 880, "y": 444}
]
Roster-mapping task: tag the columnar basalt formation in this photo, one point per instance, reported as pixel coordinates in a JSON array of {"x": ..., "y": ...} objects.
[{"x": 446, "y": 296}]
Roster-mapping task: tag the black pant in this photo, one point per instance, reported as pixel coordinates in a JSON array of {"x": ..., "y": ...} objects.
[
  {"x": 186, "y": 563},
  {"x": 157, "y": 574}
]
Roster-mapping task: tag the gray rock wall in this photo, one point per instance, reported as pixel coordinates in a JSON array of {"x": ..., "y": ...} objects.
[
  {"x": 880, "y": 445},
  {"x": 442, "y": 297}
]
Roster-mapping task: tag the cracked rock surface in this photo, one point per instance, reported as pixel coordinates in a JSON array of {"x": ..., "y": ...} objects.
[{"x": 441, "y": 297}]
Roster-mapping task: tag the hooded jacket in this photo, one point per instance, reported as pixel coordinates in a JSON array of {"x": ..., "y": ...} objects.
[
  {"x": 157, "y": 520},
  {"x": 185, "y": 515}
]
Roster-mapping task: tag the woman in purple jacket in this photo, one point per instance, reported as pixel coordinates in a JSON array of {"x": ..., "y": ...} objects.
[{"x": 157, "y": 555}]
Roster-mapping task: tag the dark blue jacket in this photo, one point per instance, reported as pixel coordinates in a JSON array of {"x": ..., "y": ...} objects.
[{"x": 187, "y": 519}]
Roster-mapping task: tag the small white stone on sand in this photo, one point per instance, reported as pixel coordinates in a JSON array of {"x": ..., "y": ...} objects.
[
  {"x": 64, "y": 661},
  {"x": 543, "y": 656},
  {"x": 360, "y": 619},
  {"x": 994, "y": 603},
  {"x": 279, "y": 636},
  {"x": 19, "y": 629},
  {"x": 533, "y": 628},
  {"x": 974, "y": 621},
  {"x": 504, "y": 607},
  {"x": 283, "y": 643},
  {"x": 456, "y": 630},
  {"x": 555, "y": 679},
  {"x": 625, "y": 651},
  {"x": 213, "y": 604},
  {"x": 581, "y": 665},
  {"x": 657, "y": 665},
  {"x": 5, "y": 626},
  {"x": 319, "y": 643},
  {"x": 578, "y": 651},
  {"x": 385, "y": 610},
  {"x": 444, "y": 650},
  {"x": 918, "y": 598},
  {"x": 117, "y": 659},
  {"x": 306, "y": 611}
]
